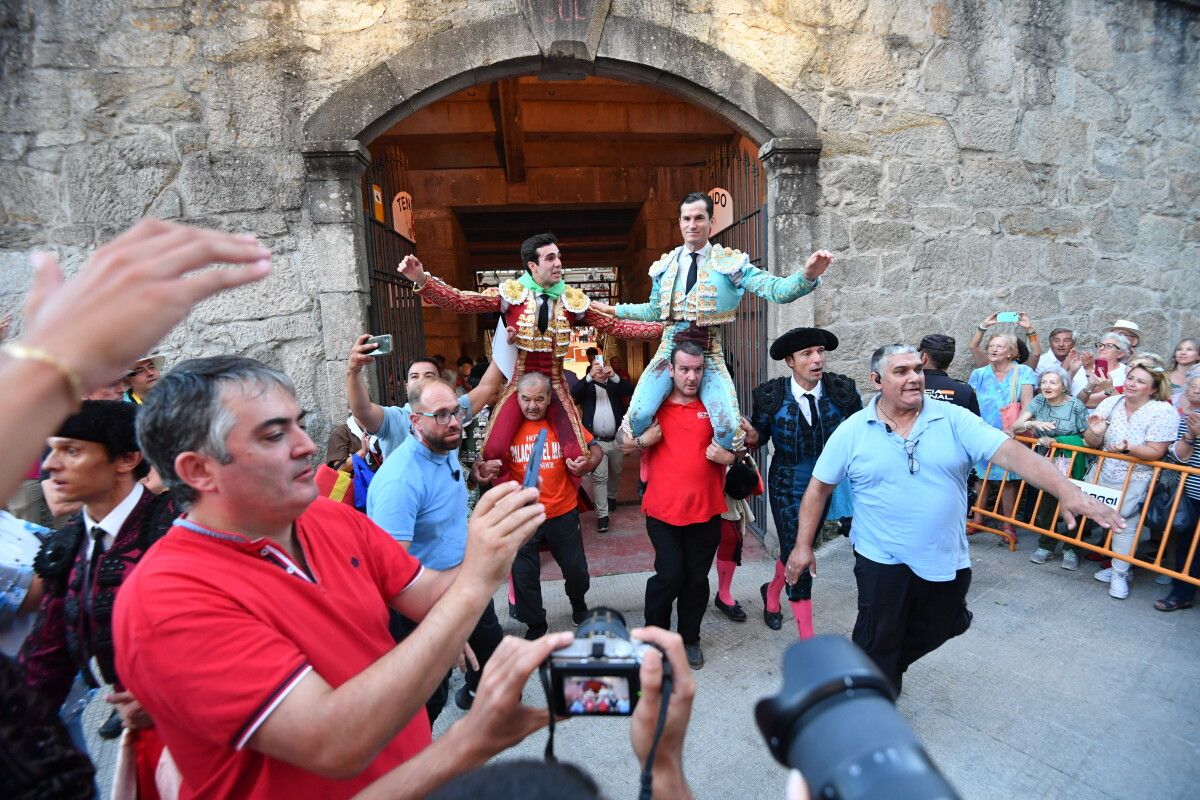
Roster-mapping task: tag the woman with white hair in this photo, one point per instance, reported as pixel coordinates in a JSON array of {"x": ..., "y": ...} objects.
[
  {"x": 1142, "y": 424},
  {"x": 1094, "y": 382},
  {"x": 999, "y": 384},
  {"x": 1052, "y": 416}
]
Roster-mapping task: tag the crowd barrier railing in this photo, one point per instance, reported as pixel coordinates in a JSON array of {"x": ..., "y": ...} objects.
[{"x": 1031, "y": 509}]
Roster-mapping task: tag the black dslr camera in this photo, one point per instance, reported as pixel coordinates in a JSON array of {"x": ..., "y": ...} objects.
[
  {"x": 597, "y": 674},
  {"x": 834, "y": 720}
]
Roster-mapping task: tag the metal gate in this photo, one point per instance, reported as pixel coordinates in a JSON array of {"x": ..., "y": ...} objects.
[
  {"x": 741, "y": 174},
  {"x": 395, "y": 308}
]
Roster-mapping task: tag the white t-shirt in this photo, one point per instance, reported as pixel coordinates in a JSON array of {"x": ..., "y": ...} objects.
[{"x": 19, "y": 543}]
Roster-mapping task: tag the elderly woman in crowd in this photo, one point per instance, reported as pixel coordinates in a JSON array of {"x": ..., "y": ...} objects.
[
  {"x": 1094, "y": 382},
  {"x": 1189, "y": 399},
  {"x": 1187, "y": 355},
  {"x": 1000, "y": 384},
  {"x": 1140, "y": 423},
  {"x": 1053, "y": 415}
]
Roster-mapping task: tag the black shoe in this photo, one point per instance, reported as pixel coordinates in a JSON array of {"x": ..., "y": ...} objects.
[
  {"x": 735, "y": 612},
  {"x": 695, "y": 655},
  {"x": 602, "y": 524},
  {"x": 463, "y": 698},
  {"x": 774, "y": 619},
  {"x": 577, "y": 614},
  {"x": 513, "y": 613},
  {"x": 112, "y": 728},
  {"x": 536, "y": 633}
]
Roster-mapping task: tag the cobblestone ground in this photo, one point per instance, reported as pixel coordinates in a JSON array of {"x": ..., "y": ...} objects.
[{"x": 1057, "y": 691}]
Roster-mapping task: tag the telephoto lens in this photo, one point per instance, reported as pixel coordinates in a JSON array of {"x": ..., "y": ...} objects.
[{"x": 835, "y": 721}]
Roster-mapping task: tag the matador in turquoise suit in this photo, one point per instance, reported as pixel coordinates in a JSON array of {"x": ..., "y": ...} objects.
[{"x": 696, "y": 288}]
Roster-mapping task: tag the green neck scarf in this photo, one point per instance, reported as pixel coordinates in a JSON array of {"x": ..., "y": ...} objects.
[{"x": 529, "y": 283}]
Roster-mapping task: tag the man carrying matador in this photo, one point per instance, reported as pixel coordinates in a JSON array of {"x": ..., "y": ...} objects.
[
  {"x": 695, "y": 289},
  {"x": 539, "y": 310}
]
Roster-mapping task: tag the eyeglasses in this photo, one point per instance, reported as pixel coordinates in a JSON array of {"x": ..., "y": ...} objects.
[
  {"x": 444, "y": 417},
  {"x": 1107, "y": 346},
  {"x": 910, "y": 448}
]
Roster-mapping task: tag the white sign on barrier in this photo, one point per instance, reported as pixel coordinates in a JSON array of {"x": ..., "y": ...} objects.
[{"x": 1110, "y": 497}]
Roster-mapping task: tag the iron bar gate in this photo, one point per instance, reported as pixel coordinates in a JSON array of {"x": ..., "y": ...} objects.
[
  {"x": 395, "y": 308},
  {"x": 741, "y": 174}
]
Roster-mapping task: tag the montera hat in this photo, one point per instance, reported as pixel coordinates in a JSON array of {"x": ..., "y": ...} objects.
[
  {"x": 107, "y": 422},
  {"x": 800, "y": 339}
]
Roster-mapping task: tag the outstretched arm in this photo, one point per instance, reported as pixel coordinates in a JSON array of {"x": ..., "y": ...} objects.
[
  {"x": 444, "y": 295},
  {"x": 780, "y": 289},
  {"x": 368, "y": 414},
  {"x": 489, "y": 387},
  {"x": 624, "y": 328}
]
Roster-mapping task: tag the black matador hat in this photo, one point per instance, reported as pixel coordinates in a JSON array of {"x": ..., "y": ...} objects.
[
  {"x": 800, "y": 339},
  {"x": 108, "y": 422}
]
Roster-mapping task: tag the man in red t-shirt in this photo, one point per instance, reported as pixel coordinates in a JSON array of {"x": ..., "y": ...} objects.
[
  {"x": 255, "y": 632},
  {"x": 559, "y": 494},
  {"x": 684, "y": 500}
]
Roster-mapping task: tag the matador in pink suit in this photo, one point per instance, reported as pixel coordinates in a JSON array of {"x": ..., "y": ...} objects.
[{"x": 539, "y": 311}]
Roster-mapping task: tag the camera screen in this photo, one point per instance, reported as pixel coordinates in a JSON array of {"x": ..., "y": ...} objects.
[{"x": 596, "y": 695}]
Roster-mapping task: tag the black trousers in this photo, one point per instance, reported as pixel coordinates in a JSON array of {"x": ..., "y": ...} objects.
[
  {"x": 683, "y": 555},
  {"x": 902, "y": 616},
  {"x": 561, "y": 534},
  {"x": 484, "y": 640}
]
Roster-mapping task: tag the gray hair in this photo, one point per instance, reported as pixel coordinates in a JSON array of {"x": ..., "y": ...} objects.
[
  {"x": 1070, "y": 331},
  {"x": 880, "y": 356},
  {"x": 417, "y": 390},
  {"x": 186, "y": 412},
  {"x": 1192, "y": 374},
  {"x": 1119, "y": 339},
  {"x": 1060, "y": 372},
  {"x": 530, "y": 377}
]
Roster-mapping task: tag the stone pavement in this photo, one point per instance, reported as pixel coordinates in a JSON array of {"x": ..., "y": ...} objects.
[{"x": 1057, "y": 691}]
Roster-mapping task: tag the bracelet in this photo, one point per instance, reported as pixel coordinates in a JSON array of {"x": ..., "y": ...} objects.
[
  {"x": 982, "y": 329},
  {"x": 24, "y": 352},
  {"x": 638, "y": 441},
  {"x": 1031, "y": 335}
]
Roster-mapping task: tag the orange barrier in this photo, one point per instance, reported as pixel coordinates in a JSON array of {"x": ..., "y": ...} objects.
[{"x": 1166, "y": 548}]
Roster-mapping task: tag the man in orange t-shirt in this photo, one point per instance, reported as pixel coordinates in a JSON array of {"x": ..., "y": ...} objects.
[
  {"x": 560, "y": 495},
  {"x": 684, "y": 500}
]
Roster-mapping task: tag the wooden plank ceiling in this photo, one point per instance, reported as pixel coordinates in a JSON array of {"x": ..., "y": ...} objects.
[{"x": 526, "y": 123}]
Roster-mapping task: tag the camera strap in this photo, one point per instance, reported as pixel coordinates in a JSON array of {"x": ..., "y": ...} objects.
[{"x": 544, "y": 674}]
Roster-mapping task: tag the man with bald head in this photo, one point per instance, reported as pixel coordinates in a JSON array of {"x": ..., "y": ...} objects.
[
  {"x": 419, "y": 496},
  {"x": 560, "y": 496}
]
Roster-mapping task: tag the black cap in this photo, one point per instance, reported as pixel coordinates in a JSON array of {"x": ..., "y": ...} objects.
[
  {"x": 938, "y": 343},
  {"x": 108, "y": 422},
  {"x": 800, "y": 339}
]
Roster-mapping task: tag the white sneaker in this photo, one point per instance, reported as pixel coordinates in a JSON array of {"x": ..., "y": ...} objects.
[
  {"x": 1104, "y": 575},
  {"x": 1119, "y": 586},
  {"x": 1070, "y": 560},
  {"x": 1041, "y": 556}
]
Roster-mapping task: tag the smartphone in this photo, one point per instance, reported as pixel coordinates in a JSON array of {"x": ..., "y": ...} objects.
[
  {"x": 1008, "y": 316},
  {"x": 600, "y": 359},
  {"x": 535, "y": 460},
  {"x": 1101, "y": 367},
  {"x": 385, "y": 345}
]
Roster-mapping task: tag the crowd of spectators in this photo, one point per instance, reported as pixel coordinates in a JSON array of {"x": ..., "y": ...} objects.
[{"x": 271, "y": 641}]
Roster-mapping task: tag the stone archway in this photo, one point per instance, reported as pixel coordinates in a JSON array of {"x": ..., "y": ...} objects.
[{"x": 541, "y": 38}]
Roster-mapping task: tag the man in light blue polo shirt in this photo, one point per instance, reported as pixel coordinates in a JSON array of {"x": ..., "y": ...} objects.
[
  {"x": 390, "y": 424},
  {"x": 907, "y": 462},
  {"x": 419, "y": 496}
]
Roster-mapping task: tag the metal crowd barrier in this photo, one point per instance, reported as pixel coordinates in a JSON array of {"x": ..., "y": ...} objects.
[{"x": 1164, "y": 556}]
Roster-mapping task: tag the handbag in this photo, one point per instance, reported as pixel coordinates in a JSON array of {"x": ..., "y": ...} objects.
[
  {"x": 1162, "y": 497},
  {"x": 1010, "y": 412}
]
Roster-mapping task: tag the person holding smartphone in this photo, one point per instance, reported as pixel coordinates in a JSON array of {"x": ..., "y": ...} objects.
[
  {"x": 559, "y": 494},
  {"x": 1030, "y": 354},
  {"x": 1102, "y": 373}
]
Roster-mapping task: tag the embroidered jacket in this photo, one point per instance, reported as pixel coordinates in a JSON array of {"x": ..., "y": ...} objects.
[
  {"x": 721, "y": 280},
  {"x": 75, "y": 622},
  {"x": 520, "y": 309}
]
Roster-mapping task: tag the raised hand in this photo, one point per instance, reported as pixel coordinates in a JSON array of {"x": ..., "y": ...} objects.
[
  {"x": 360, "y": 353},
  {"x": 412, "y": 268},
  {"x": 816, "y": 265}
]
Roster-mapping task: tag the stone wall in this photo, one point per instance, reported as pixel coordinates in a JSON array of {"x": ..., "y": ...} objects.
[{"x": 976, "y": 154}]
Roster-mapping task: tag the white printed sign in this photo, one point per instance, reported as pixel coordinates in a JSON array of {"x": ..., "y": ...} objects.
[
  {"x": 402, "y": 216},
  {"x": 1110, "y": 497},
  {"x": 722, "y": 209}
]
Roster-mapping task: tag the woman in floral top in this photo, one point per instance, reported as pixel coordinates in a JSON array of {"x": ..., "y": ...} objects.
[{"x": 1140, "y": 423}]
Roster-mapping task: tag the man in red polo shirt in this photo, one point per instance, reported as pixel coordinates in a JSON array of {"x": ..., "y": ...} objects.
[
  {"x": 684, "y": 500},
  {"x": 256, "y": 631}
]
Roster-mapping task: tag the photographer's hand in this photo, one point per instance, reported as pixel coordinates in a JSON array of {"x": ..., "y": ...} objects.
[{"x": 669, "y": 780}]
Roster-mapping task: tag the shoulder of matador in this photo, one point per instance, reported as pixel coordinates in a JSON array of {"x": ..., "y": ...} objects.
[
  {"x": 510, "y": 291},
  {"x": 727, "y": 260},
  {"x": 660, "y": 266},
  {"x": 575, "y": 300}
]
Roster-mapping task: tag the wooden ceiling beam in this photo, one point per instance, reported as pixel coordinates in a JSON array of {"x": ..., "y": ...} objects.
[{"x": 512, "y": 133}]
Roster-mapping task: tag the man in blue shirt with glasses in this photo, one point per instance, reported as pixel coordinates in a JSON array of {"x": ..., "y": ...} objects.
[
  {"x": 907, "y": 462},
  {"x": 419, "y": 496}
]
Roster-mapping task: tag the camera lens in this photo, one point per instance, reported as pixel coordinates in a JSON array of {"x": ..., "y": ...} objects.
[
  {"x": 835, "y": 722},
  {"x": 601, "y": 621}
]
